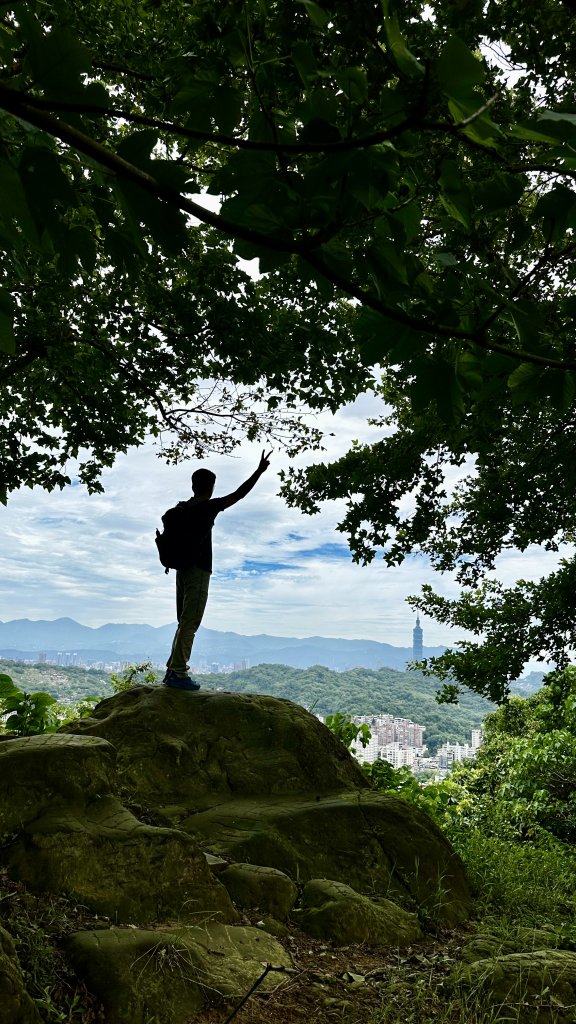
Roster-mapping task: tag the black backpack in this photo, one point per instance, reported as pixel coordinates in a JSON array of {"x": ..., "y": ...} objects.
[{"x": 178, "y": 543}]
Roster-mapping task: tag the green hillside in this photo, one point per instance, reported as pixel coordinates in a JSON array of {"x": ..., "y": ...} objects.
[
  {"x": 364, "y": 691},
  {"x": 360, "y": 691}
]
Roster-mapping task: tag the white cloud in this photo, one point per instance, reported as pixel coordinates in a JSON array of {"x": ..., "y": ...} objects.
[{"x": 93, "y": 558}]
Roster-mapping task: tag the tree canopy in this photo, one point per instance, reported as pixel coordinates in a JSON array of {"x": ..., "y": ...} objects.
[{"x": 404, "y": 175}]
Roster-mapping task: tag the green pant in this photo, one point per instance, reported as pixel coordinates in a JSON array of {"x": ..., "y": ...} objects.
[{"x": 191, "y": 597}]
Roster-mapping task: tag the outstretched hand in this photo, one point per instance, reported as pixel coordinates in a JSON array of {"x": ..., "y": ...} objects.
[{"x": 264, "y": 461}]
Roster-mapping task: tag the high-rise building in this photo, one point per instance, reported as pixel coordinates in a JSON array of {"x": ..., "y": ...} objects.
[{"x": 417, "y": 636}]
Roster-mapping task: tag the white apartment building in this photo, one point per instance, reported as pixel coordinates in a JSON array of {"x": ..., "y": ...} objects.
[{"x": 449, "y": 753}]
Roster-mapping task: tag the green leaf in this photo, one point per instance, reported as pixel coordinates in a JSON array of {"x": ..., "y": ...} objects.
[
  {"x": 468, "y": 368},
  {"x": 524, "y": 383},
  {"x": 14, "y": 205},
  {"x": 227, "y": 104},
  {"x": 354, "y": 84},
  {"x": 165, "y": 224},
  {"x": 560, "y": 124},
  {"x": 56, "y": 60},
  {"x": 405, "y": 61},
  {"x": 435, "y": 383},
  {"x": 386, "y": 262},
  {"x": 500, "y": 191},
  {"x": 384, "y": 340},
  {"x": 410, "y": 217},
  {"x": 194, "y": 100},
  {"x": 304, "y": 62},
  {"x": 455, "y": 196},
  {"x": 7, "y": 686},
  {"x": 317, "y": 15},
  {"x": 137, "y": 147},
  {"x": 459, "y": 71},
  {"x": 530, "y": 132},
  {"x": 560, "y": 386},
  {"x": 83, "y": 243},
  {"x": 557, "y": 208},
  {"x": 527, "y": 320}
]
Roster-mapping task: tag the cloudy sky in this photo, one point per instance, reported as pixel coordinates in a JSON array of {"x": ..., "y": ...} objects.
[{"x": 276, "y": 571}]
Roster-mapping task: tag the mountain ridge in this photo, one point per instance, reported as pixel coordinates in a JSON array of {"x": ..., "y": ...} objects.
[{"x": 27, "y": 638}]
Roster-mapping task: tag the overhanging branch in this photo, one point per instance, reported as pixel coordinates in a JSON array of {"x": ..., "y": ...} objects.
[{"x": 308, "y": 247}]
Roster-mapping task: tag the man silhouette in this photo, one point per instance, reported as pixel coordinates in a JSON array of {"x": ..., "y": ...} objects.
[{"x": 192, "y": 583}]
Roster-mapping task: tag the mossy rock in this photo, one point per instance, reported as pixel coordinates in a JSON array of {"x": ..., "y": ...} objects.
[
  {"x": 538, "y": 987},
  {"x": 16, "y": 1006},
  {"x": 336, "y": 913},
  {"x": 37, "y": 772},
  {"x": 377, "y": 844},
  {"x": 103, "y": 857},
  {"x": 258, "y": 779},
  {"x": 254, "y": 887},
  {"x": 170, "y": 975},
  {"x": 487, "y": 946},
  {"x": 199, "y": 749}
]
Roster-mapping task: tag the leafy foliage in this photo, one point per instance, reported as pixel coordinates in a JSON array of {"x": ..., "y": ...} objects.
[
  {"x": 26, "y": 713},
  {"x": 412, "y": 210},
  {"x": 133, "y": 675},
  {"x": 347, "y": 731},
  {"x": 522, "y": 784}
]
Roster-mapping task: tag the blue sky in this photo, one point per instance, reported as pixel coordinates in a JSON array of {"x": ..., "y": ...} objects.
[{"x": 277, "y": 571}]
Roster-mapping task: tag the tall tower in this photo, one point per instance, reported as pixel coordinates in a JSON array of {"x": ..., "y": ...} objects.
[{"x": 417, "y": 636}]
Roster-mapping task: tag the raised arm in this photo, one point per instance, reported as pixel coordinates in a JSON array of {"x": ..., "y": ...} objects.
[{"x": 246, "y": 487}]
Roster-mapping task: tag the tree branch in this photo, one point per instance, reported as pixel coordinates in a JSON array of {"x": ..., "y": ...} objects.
[{"x": 13, "y": 102}]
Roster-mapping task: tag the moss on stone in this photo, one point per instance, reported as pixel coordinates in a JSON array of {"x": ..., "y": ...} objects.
[
  {"x": 253, "y": 886},
  {"x": 169, "y": 975},
  {"x": 537, "y": 987}
]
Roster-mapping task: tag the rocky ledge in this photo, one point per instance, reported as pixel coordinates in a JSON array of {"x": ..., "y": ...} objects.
[{"x": 171, "y": 813}]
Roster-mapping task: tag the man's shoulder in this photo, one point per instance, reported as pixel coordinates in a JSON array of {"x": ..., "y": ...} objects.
[
  {"x": 205, "y": 509},
  {"x": 214, "y": 505}
]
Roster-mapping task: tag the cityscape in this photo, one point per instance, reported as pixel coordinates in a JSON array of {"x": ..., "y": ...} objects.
[{"x": 401, "y": 742}]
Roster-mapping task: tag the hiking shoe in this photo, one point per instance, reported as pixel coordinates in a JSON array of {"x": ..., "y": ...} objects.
[{"x": 180, "y": 682}]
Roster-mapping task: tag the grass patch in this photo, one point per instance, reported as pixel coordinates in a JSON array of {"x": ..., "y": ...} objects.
[{"x": 520, "y": 882}]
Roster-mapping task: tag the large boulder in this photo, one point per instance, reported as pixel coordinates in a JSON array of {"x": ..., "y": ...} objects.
[
  {"x": 335, "y": 912},
  {"x": 70, "y": 834},
  {"x": 258, "y": 779},
  {"x": 255, "y": 887},
  {"x": 55, "y": 770},
  {"x": 377, "y": 844},
  {"x": 170, "y": 974},
  {"x": 181, "y": 752}
]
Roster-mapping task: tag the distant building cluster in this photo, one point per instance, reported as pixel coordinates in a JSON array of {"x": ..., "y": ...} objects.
[
  {"x": 78, "y": 660},
  {"x": 217, "y": 668},
  {"x": 401, "y": 742}
]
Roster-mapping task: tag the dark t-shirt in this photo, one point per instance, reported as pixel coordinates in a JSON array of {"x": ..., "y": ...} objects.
[{"x": 202, "y": 516}]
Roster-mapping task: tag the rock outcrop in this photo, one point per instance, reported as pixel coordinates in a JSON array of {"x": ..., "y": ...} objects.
[
  {"x": 258, "y": 779},
  {"x": 175, "y": 812}
]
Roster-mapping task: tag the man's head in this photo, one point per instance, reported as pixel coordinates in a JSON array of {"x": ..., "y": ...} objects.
[{"x": 203, "y": 481}]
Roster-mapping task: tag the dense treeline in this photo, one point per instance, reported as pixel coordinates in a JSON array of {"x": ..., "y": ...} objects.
[
  {"x": 360, "y": 691},
  {"x": 364, "y": 691}
]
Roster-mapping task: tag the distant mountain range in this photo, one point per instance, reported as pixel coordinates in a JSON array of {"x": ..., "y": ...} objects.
[{"x": 26, "y": 639}]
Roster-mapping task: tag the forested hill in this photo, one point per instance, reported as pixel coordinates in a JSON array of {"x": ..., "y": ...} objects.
[
  {"x": 364, "y": 691},
  {"x": 360, "y": 691}
]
